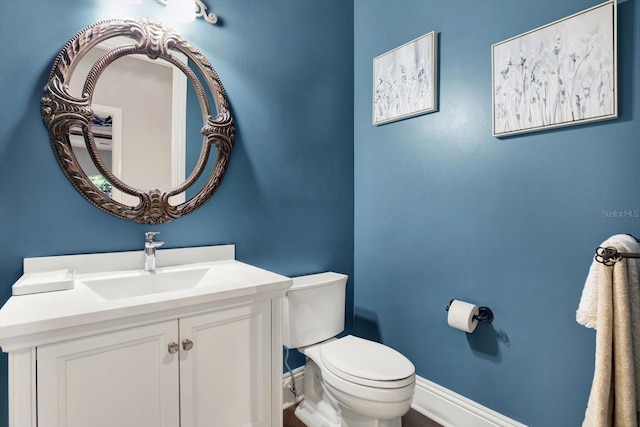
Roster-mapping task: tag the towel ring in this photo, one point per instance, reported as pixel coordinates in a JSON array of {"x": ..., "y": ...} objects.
[{"x": 610, "y": 255}]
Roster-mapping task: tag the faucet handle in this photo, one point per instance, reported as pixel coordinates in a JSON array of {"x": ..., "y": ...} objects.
[{"x": 150, "y": 235}]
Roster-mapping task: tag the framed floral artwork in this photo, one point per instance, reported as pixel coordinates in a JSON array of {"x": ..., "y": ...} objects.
[
  {"x": 405, "y": 80},
  {"x": 561, "y": 74}
]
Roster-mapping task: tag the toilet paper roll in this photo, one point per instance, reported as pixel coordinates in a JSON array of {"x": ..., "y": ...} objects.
[{"x": 461, "y": 315}]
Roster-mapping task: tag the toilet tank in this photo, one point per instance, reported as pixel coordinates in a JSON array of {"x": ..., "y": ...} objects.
[{"x": 313, "y": 309}]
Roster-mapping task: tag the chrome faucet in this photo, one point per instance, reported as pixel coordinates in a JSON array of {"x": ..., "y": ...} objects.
[{"x": 150, "y": 246}]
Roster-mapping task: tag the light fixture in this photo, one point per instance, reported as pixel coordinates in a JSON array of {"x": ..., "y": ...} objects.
[{"x": 199, "y": 7}]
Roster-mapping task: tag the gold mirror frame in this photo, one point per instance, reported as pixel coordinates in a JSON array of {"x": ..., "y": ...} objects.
[{"x": 61, "y": 111}]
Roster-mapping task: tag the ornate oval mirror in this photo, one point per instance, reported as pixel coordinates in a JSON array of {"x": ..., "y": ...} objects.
[{"x": 117, "y": 106}]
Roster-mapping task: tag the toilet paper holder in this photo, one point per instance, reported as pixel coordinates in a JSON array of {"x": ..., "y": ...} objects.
[{"x": 485, "y": 314}]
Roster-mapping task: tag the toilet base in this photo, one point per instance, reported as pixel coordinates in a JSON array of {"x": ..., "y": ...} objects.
[
  {"x": 312, "y": 418},
  {"x": 321, "y": 409},
  {"x": 353, "y": 419}
]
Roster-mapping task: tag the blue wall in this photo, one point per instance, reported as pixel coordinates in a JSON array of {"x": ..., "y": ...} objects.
[
  {"x": 443, "y": 210},
  {"x": 287, "y": 199}
]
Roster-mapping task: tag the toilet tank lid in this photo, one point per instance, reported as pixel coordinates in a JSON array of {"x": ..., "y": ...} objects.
[
  {"x": 320, "y": 279},
  {"x": 367, "y": 359}
]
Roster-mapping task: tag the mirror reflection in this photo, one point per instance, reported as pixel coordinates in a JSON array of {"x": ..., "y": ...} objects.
[
  {"x": 148, "y": 147},
  {"x": 152, "y": 133}
]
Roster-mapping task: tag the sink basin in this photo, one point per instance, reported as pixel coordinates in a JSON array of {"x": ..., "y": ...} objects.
[{"x": 129, "y": 284}]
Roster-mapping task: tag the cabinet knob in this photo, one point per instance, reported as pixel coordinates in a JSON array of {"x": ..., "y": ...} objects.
[
  {"x": 173, "y": 347},
  {"x": 187, "y": 344}
]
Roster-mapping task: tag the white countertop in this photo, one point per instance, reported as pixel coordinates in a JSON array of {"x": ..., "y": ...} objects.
[{"x": 33, "y": 318}]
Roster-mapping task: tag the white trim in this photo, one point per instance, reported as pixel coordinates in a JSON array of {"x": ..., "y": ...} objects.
[
  {"x": 22, "y": 388},
  {"x": 431, "y": 400},
  {"x": 451, "y": 409},
  {"x": 276, "y": 360}
]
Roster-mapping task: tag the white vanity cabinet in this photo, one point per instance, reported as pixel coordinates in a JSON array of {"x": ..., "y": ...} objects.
[
  {"x": 211, "y": 369},
  {"x": 226, "y": 377},
  {"x": 122, "y": 378},
  {"x": 210, "y": 356}
]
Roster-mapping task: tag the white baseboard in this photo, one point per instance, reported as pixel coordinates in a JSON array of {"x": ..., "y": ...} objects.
[
  {"x": 451, "y": 409},
  {"x": 431, "y": 400}
]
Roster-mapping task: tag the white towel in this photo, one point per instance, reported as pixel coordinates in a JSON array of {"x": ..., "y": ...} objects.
[{"x": 610, "y": 303}]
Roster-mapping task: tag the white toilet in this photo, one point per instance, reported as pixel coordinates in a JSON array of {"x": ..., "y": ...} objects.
[{"x": 349, "y": 381}]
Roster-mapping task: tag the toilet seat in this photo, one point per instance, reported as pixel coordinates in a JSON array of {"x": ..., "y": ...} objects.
[{"x": 367, "y": 363}]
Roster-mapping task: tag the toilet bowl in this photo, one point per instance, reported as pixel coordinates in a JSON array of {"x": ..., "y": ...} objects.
[{"x": 348, "y": 381}]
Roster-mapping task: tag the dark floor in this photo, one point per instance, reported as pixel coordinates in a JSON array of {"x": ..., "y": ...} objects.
[
  {"x": 412, "y": 419},
  {"x": 416, "y": 419}
]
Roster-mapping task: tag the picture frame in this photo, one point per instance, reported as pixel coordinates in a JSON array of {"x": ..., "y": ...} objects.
[
  {"x": 405, "y": 80},
  {"x": 561, "y": 74}
]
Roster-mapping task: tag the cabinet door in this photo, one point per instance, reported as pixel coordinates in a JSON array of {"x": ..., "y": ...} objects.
[
  {"x": 125, "y": 379},
  {"x": 225, "y": 378}
]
